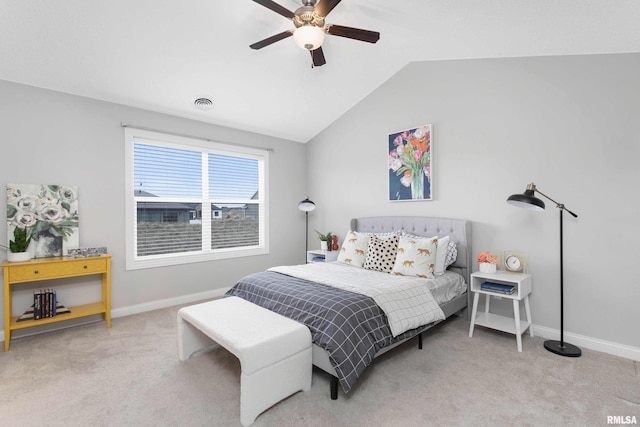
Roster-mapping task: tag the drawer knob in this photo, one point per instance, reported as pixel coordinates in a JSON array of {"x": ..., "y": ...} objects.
[
  {"x": 85, "y": 267},
  {"x": 36, "y": 271}
]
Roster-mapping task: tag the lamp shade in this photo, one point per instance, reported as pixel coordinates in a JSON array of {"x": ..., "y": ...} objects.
[
  {"x": 308, "y": 37},
  {"x": 306, "y": 205},
  {"x": 527, "y": 200}
]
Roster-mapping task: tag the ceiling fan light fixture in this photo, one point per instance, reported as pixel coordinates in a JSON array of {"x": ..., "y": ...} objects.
[{"x": 308, "y": 37}]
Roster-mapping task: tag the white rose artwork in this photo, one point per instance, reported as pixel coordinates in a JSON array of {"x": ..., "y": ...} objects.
[{"x": 49, "y": 213}]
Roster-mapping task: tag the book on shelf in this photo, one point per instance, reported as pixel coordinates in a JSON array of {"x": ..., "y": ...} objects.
[
  {"x": 37, "y": 310},
  {"x": 499, "y": 288},
  {"x": 45, "y": 304}
]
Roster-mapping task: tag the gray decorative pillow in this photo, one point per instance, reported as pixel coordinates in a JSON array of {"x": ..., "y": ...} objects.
[
  {"x": 452, "y": 254},
  {"x": 381, "y": 253}
]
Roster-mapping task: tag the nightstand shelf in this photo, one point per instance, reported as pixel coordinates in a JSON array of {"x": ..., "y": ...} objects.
[
  {"x": 321, "y": 256},
  {"x": 499, "y": 323},
  {"x": 515, "y": 325}
]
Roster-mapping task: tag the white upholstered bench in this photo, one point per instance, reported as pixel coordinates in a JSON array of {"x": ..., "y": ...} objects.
[{"x": 274, "y": 351}]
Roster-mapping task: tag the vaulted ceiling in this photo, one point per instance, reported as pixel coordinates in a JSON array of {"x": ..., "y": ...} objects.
[{"x": 162, "y": 54}]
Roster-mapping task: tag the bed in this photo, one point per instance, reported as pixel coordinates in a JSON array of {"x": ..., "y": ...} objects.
[{"x": 300, "y": 293}]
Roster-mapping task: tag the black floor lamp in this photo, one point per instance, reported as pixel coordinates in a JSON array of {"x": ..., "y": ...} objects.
[
  {"x": 306, "y": 206},
  {"x": 528, "y": 200}
]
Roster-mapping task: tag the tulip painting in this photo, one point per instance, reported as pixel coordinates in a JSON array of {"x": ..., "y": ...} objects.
[{"x": 410, "y": 164}]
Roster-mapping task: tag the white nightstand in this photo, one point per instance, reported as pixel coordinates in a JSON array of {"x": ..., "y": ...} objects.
[
  {"x": 321, "y": 256},
  {"x": 522, "y": 282}
]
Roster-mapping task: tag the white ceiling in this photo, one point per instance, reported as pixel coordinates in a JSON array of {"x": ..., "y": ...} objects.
[{"x": 161, "y": 54}]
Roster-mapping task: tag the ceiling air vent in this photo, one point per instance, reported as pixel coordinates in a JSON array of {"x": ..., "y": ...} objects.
[{"x": 203, "y": 104}]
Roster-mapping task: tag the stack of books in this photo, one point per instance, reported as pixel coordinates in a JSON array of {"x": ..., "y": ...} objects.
[
  {"x": 498, "y": 288},
  {"x": 45, "y": 304}
]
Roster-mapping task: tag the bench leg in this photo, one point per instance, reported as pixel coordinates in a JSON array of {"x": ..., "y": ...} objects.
[
  {"x": 264, "y": 388},
  {"x": 190, "y": 339}
]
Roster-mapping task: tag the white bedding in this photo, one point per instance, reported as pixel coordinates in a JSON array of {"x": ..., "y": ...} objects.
[
  {"x": 406, "y": 301},
  {"x": 446, "y": 287}
]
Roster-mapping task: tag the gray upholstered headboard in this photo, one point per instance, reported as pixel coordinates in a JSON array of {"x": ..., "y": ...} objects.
[{"x": 459, "y": 230}]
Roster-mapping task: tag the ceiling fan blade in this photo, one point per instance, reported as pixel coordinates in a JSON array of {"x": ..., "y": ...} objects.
[
  {"x": 270, "y": 4},
  {"x": 318, "y": 57},
  {"x": 353, "y": 33},
  {"x": 325, "y": 6},
  {"x": 271, "y": 40}
]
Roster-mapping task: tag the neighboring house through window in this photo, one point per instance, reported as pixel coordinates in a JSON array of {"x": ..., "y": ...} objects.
[{"x": 172, "y": 180}]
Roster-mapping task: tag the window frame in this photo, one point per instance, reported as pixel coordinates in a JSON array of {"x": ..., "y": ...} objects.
[{"x": 134, "y": 262}]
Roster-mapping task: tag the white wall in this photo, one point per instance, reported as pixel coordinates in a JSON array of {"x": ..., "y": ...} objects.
[
  {"x": 49, "y": 137},
  {"x": 569, "y": 124}
]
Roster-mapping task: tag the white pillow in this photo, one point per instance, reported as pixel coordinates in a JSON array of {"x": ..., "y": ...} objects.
[
  {"x": 416, "y": 257},
  {"x": 441, "y": 255},
  {"x": 381, "y": 253},
  {"x": 354, "y": 249},
  {"x": 447, "y": 252},
  {"x": 386, "y": 235}
]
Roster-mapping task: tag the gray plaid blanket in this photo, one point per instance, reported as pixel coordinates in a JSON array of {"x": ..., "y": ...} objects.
[
  {"x": 349, "y": 326},
  {"x": 405, "y": 300}
]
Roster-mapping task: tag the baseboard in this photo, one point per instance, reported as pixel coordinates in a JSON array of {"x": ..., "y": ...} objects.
[
  {"x": 133, "y": 309},
  {"x": 608, "y": 347},
  {"x": 169, "y": 302},
  {"x": 596, "y": 344}
]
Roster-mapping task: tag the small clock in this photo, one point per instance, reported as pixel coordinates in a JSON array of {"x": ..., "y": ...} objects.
[{"x": 514, "y": 262}]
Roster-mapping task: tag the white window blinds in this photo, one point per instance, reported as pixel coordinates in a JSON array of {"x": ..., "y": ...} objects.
[{"x": 193, "y": 202}]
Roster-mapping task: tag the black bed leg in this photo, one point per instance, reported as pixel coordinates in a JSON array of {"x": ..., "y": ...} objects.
[
  {"x": 420, "y": 341},
  {"x": 334, "y": 388}
]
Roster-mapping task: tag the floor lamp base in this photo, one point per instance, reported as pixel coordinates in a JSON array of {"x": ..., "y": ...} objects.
[{"x": 563, "y": 349}]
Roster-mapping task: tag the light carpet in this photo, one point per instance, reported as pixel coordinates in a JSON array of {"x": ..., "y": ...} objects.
[{"x": 130, "y": 375}]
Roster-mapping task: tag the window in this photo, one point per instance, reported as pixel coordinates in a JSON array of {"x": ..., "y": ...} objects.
[
  {"x": 170, "y": 217},
  {"x": 173, "y": 182}
]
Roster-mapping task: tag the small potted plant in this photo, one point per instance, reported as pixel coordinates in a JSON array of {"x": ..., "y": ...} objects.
[
  {"x": 487, "y": 262},
  {"x": 324, "y": 239},
  {"x": 18, "y": 247}
]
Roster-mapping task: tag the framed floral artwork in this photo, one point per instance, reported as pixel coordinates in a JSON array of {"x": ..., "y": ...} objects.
[
  {"x": 410, "y": 164},
  {"x": 49, "y": 213}
]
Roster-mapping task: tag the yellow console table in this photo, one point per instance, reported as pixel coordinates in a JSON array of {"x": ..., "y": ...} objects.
[{"x": 55, "y": 268}]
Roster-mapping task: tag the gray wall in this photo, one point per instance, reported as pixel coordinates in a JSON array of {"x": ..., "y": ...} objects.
[
  {"x": 569, "y": 124},
  {"x": 54, "y": 138},
  {"x": 564, "y": 123}
]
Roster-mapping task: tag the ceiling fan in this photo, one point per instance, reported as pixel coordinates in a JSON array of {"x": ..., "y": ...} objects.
[{"x": 310, "y": 27}]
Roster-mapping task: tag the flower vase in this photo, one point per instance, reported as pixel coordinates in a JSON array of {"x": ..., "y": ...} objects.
[
  {"x": 323, "y": 245},
  {"x": 487, "y": 267},
  {"x": 18, "y": 256},
  {"x": 47, "y": 244},
  {"x": 417, "y": 186}
]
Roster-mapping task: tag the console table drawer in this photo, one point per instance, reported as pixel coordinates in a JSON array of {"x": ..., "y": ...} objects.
[{"x": 43, "y": 271}]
